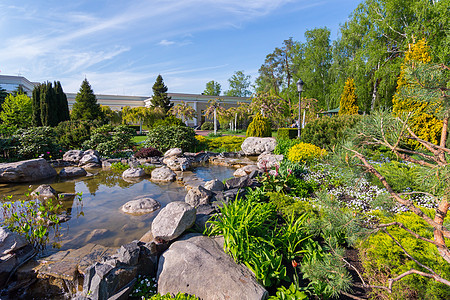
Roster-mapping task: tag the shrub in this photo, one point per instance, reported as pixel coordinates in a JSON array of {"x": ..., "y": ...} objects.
[
  {"x": 207, "y": 126},
  {"x": 283, "y": 145},
  {"x": 229, "y": 143},
  {"x": 168, "y": 121},
  {"x": 38, "y": 141},
  {"x": 164, "y": 138},
  {"x": 108, "y": 140},
  {"x": 382, "y": 259},
  {"x": 401, "y": 177},
  {"x": 119, "y": 167},
  {"x": 304, "y": 152},
  {"x": 147, "y": 152},
  {"x": 287, "y": 133},
  {"x": 259, "y": 127},
  {"x": 72, "y": 134},
  {"x": 327, "y": 132}
]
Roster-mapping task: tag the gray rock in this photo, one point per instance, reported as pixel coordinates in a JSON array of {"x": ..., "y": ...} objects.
[
  {"x": 73, "y": 156},
  {"x": 173, "y": 152},
  {"x": 44, "y": 190},
  {"x": 267, "y": 161},
  {"x": 214, "y": 185},
  {"x": 26, "y": 171},
  {"x": 245, "y": 170},
  {"x": 89, "y": 158},
  {"x": 133, "y": 173},
  {"x": 143, "y": 205},
  {"x": 92, "y": 152},
  {"x": 257, "y": 145},
  {"x": 163, "y": 174},
  {"x": 198, "y": 265},
  {"x": 172, "y": 221},
  {"x": 129, "y": 253},
  {"x": 198, "y": 196},
  {"x": 10, "y": 241},
  {"x": 177, "y": 163},
  {"x": 70, "y": 172},
  {"x": 238, "y": 182}
]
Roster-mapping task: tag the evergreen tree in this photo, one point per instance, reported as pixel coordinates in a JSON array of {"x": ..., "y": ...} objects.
[
  {"x": 62, "y": 111},
  {"x": 160, "y": 98},
  {"x": 36, "y": 106},
  {"x": 422, "y": 121},
  {"x": 48, "y": 105},
  {"x": 3, "y": 95},
  {"x": 16, "y": 111},
  {"x": 348, "y": 104},
  {"x": 86, "y": 106}
]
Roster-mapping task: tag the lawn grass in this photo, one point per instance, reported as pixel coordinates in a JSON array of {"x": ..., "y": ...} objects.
[{"x": 138, "y": 138}]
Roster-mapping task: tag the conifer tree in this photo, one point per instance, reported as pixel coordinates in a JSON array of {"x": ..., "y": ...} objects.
[
  {"x": 48, "y": 105},
  {"x": 160, "y": 98},
  {"x": 3, "y": 95},
  {"x": 348, "y": 102},
  {"x": 86, "y": 106},
  {"x": 62, "y": 110},
  {"x": 421, "y": 120},
  {"x": 36, "y": 106}
]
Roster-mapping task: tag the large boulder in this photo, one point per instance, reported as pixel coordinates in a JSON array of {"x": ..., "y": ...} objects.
[
  {"x": 163, "y": 174},
  {"x": 73, "y": 156},
  {"x": 198, "y": 196},
  {"x": 177, "y": 163},
  {"x": 238, "y": 182},
  {"x": 89, "y": 159},
  {"x": 172, "y": 221},
  {"x": 26, "y": 171},
  {"x": 245, "y": 170},
  {"x": 267, "y": 161},
  {"x": 70, "y": 172},
  {"x": 173, "y": 152},
  {"x": 214, "y": 185},
  {"x": 257, "y": 145},
  {"x": 44, "y": 190},
  {"x": 197, "y": 265},
  {"x": 14, "y": 250},
  {"x": 140, "y": 206},
  {"x": 133, "y": 173}
]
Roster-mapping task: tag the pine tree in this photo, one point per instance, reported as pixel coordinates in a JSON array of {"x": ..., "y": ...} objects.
[
  {"x": 160, "y": 98},
  {"x": 86, "y": 106},
  {"x": 3, "y": 95},
  {"x": 62, "y": 110},
  {"x": 421, "y": 121},
  {"x": 348, "y": 102}
]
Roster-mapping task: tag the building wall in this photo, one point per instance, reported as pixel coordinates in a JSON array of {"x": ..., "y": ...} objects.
[{"x": 11, "y": 83}]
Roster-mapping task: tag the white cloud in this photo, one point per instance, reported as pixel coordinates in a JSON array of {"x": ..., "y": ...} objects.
[{"x": 166, "y": 43}]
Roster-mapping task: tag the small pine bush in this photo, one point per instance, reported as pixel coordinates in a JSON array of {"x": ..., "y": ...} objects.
[
  {"x": 259, "y": 127},
  {"x": 304, "y": 152},
  {"x": 147, "y": 152}
]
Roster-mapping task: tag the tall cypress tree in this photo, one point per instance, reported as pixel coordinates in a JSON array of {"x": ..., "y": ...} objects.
[
  {"x": 62, "y": 109},
  {"x": 86, "y": 106},
  {"x": 3, "y": 95},
  {"x": 36, "y": 106},
  {"x": 160, "y": 98}
]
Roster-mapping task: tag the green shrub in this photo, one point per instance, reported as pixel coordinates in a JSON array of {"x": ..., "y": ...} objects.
[
  {"x": 383, "y": 259},
  {"x": 202, "y": 143},
  {"x": 287, "y": 133},
  {"x": 164, "y": 138},
  {"x": 327, "y": 132},
  {"x": 38, "y": 142},
  {"x": 283, "y": 145},
  {"x": 72, "y": 134},
  {"x": 290, "y": 293},
  {"x": 401, "y": 177},
  {"x": 119, "y": 167},
  {"x": 109, "y": 140},
  {"x": 259, "y": 127},
  {"x": 304, "y": 152},
  {"x": 168, "y": 121},
  {"x": 207, "y": 126},
  {"x": 228, "y": 143}
]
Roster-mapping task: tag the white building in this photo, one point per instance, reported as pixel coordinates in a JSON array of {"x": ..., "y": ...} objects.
[{"x": 11, "y": 83}]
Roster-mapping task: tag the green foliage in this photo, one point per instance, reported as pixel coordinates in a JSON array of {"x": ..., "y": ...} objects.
[
  {"x": 291, "y": 293},
  {"x": 50, "y": 105},
  {"x": 109, "y": 140},
  {"x": 328, "y": 132},
  {"x": 229, "y": 143},
  {"x": 3, "y": 95},
  {"x": 213, "y": 88},
  {"x": 72, "y": 134},
  {"x": 16, "y": 111},
  {"x": 283, "y": 145},
  {"x": 349, "y": 102},
  {"x": 144, "y": 287},
  {"x": 239, "y": 85},
  {"x": 288, "y": 167},
  {"x": 160, "y": 98},
  {"x": 382, "y": 259},
  {"x": 179, "y": 296},
  {"x": 119, "y": 167},
  {"x": 169, "y": 121},
  {"x": 401, "y": 177},
  {"x": 287, "y": 133},
  {"x": 207, "y": 126},
  {"x": 259, "y": 127},
  {"x": 86, "y": 106},
  {"x": 304, "y": 152},
  {"x": 164, "y": 138},
  {"x": 38, "y": 142}
]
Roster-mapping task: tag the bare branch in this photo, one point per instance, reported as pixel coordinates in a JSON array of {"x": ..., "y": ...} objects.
[
  {"x": 401, "y": 225},
  {"x": 413, "y": 271}
]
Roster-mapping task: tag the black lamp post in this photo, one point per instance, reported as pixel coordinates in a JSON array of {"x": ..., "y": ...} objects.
[{"x": 299, "y": 89}]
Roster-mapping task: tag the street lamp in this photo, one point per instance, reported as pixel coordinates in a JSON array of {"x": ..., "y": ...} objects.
[{"x": 299, "y": 89}]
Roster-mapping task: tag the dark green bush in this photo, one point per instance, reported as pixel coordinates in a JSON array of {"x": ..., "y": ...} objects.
[
  {"x": 207, "y": 126},
  {"x": 108, "y": 140},
  {"x": 168, "y": 121},
  {"x": 283, "y": 145},
  {"x": 38, "y": 142},
  {"x": 287, "y": 133},
  {"x": 327, "y": 132},
  {"x": 164, "y": 138},
  {"x": 72, "y": 134}
]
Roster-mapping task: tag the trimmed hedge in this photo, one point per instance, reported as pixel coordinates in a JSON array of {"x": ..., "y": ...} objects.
[{"x": 287, "y": 133}]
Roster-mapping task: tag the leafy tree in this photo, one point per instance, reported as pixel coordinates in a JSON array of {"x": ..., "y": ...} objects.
[
  {"x": 184, "y": 110},
  {"x": 213, "y": 88},
  {"x": 86, "y": 106},
  {"x": 160, "y": 98},
  {"x": 142, "y": 115},
  {"x": 213, "y": 107},
  {"x": 421, "y": 120},
  {"x": 16, "y": 111},
  {"x": 3, "y": 95},
  {"x": 239, "y": 85},
  {"x": 111, "y": 116},
  {"x": 270, "y": 106},
  {"x": 348, "y": 104}
]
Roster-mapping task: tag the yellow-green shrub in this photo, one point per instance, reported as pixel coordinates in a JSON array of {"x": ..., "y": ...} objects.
[
  {"x": 383, "y": 259},
  {"x": 259, "y": 127},
  {"x": 229, "y": 143},
  {"x": 304, "y": 152}
]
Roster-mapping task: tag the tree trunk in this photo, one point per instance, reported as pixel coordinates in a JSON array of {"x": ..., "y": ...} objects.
[
  {"x": 215, "y": 121},
  {"x": 374, "y": 94}
]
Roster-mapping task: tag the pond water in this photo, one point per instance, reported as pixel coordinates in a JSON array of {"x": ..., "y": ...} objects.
[{"x": 98, "y": 219}]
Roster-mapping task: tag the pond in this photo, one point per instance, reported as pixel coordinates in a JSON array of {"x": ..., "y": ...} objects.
[{"x": 98, "y": 218}]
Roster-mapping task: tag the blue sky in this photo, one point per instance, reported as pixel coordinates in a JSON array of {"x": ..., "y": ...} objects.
[{"x": 121, "y": 46}]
